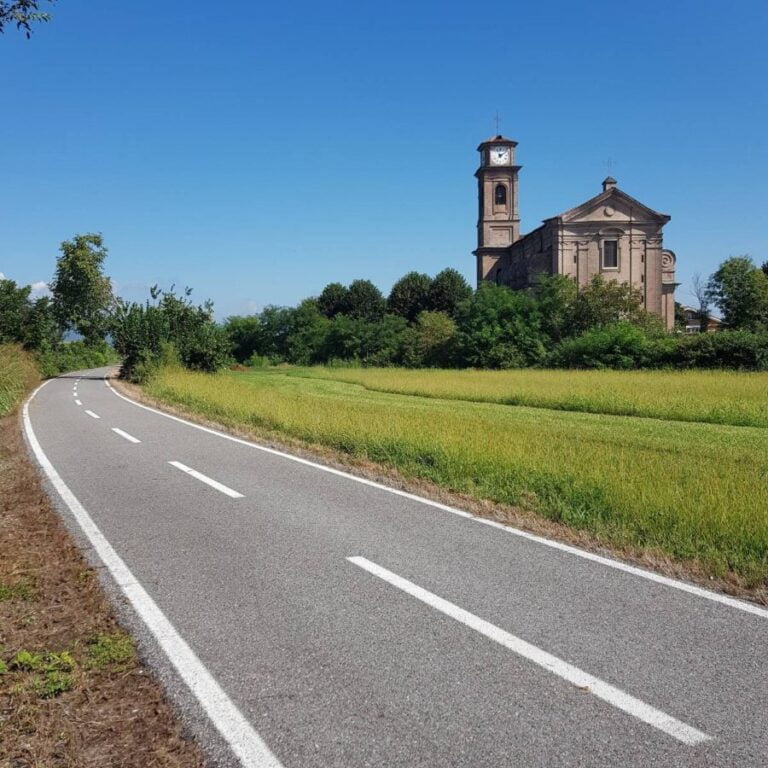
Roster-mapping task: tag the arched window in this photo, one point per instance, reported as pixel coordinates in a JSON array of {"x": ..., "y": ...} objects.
[{"x": 500, "y": 197}]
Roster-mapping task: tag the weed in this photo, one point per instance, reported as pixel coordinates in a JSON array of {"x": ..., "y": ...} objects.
[
  {"x": 115, "y": 648},
  {"x": 21, "y": 590}
]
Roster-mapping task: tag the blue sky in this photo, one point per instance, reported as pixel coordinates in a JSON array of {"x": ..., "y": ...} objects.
[{"x": 257, "y": 151}]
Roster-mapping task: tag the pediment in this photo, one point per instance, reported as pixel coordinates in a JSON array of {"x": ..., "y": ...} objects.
[{"x": 613, "y": 205}]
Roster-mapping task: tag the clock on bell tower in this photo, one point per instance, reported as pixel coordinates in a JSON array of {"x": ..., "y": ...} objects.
[{"x": 498, "y": 221}]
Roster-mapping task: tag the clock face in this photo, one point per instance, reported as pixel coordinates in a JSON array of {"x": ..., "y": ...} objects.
[{"x": 499, "y": 155}]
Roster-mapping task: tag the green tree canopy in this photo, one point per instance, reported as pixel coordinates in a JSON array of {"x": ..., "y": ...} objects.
[
  {"x": 556, "y": 296},
  {"x": 447, "y": 291},
  {"x": 14, "y": 311},
  {"x": 740, "y": 290},
  {"x": 429, "y": 341},
  {"x": 603, "y": 303},
  {"x": 334, "y": 300},
  {"x": 500, "y": 328},
  {"x": 365, "y": 301},
  {"x": 410, "y": 295},
  {"x": 22, "y": 13},
  {"x": 82, "y": 294}
]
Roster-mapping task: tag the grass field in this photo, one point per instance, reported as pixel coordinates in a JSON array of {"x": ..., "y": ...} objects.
[
  {"x": 693, "y": 490},
  {"x": 18, "y": 373},
  {"x": 715, "y": 397}
]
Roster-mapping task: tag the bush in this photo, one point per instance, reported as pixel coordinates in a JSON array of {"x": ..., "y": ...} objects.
[
  {"x": 145, "y": 335},
  {"x": 620, "y": 345},
  {"x": 75, "y": 356},
  {"x": 725, "y": 349}
]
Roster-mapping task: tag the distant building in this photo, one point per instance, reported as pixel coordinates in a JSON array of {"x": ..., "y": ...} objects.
[
  {"x": 693, "y": 321},
  {"x": 611, "y": 234}
]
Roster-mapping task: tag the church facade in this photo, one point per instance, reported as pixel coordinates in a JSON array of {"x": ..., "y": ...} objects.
[{"x": 611, "y": 234}]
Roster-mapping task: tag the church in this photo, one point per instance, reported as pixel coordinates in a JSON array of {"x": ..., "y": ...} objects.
[{"x": 611, "y": 234}]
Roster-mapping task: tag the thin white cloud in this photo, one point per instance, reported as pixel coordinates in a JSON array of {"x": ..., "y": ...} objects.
[
  {"x": 2, "y": 276},
  {"x": 40, "y": 288}
]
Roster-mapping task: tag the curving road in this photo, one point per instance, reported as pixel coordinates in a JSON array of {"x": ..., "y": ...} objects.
[{"x": 302, "y": 617}]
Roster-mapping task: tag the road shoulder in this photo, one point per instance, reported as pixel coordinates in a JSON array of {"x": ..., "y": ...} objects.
[{"x": 73, "y": 690}]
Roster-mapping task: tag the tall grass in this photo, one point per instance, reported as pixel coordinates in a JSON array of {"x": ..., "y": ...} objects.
[
  {"x": 18, "y": 374},
  {"x": 692, "y": 490},
  {"x": 714, "y": 397}
]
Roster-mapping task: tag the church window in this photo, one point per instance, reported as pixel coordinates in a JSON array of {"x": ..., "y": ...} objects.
[
  {"x": 500, "y": 195},
  {"x": 498, "y": 276},
  {"x": 610, "y": 254}
]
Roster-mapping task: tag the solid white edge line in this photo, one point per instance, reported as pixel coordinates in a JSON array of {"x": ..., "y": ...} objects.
[
  {"x": 683, "y": 586},
  {"x": 129, "y": 438},
  {"x": 207, "y": 480},
  {"x": 238, "y": 733},
  {"x": 583, "y": 680},
  {"x": 93, "y": 415}
]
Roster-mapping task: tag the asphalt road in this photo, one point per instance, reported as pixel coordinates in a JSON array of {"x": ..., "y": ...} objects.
[{"x": 300, "y": 617}]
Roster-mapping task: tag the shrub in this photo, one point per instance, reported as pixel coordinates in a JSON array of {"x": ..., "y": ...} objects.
[
  {"x": 620, "y": 345},
  {"x": 75, "y": 356},
  {"x": 725, "y": 349}
]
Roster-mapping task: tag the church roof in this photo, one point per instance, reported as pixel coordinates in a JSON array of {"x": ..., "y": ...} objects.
[
  {"x": 497, "y": 139},
  {"x": 611, "y": 193}
]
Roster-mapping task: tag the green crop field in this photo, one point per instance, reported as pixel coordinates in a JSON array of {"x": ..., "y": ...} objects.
[
  {"x": 690, "y": 489},
  {"x": 716, "y": 397}
]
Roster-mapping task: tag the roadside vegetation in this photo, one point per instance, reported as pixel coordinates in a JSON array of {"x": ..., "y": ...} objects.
[
  {"x": 72, "y": 689},
  {"x": 690, "y": 490}
]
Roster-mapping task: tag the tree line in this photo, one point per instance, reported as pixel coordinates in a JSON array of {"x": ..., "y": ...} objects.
[
  {"x": 441, "y": 322},
  {"x": 424, "y": 321}
]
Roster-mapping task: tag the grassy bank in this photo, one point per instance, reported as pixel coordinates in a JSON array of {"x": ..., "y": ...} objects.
[
  {"x": 695, "y": 491},
  {"x": 18, "y": 375},
  {"x": 715, "y": 397}
]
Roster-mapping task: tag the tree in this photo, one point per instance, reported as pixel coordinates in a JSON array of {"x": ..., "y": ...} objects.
[
  {"x": 410, "y": 295},
  {"x": 701, "y": 294},
  {"x": 447, "y": 291},
  {"x": 306, "y": 336},
  {"x": 244, "y": 334},
  {"x": 499, "y": 328},
  {"x": 22, "y": 13},
  {"x": 765, "y": 268},
  {"x": 82, "y": 294},
  {"x": 41, "y": 331},
  {"x": 334, "y": 300},
  {"x": 14, "y": 311},
  {"x": 740, "y": 290},
  {"x": 603, "y": 303},
  {"x": 352, "y": 338},
  {"x": 556, "y": 296},
  {"x": 429, "y": 341},
  {"x": 365, "y": 301}
]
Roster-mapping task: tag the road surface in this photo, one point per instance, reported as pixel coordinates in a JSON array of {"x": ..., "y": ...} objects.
[{"x": 301, "y": 617}]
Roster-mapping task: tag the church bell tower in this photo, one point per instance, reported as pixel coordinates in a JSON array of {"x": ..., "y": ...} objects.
[{"x": 498, "y": 221}]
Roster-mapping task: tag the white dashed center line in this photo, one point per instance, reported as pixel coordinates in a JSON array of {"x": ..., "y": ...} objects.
[
  {"x": 78, "y": 402},
  {"x": 129, "y": 438},
  {"x": 207, "y": 480},
  {"x": 93, "y": 415},
  {"x": 582, "y": 680}
]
